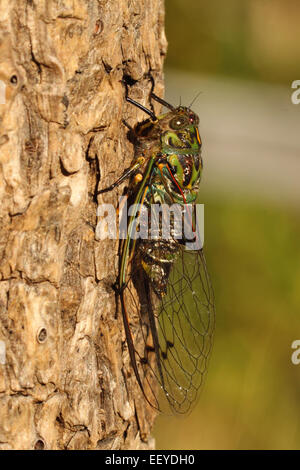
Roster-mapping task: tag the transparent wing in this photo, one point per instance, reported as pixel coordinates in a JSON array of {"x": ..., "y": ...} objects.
[
  {"x": 173, "y": 335},
  {"x": 169, "y": 337},
  {"x": 185, "y": 322}
]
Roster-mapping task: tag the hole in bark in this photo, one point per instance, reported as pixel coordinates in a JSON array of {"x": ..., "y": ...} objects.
[
  {"x": 14, "y": 79},
  {"x": 98, "y": 27},
  {"x": 39, "y": 445},
  {"x": 107, "y": 67},
  {"x": 129, "y": 80},
  {"x": 125, "y": 434},
  {"x": 42, "y": 335},
  {"x": 60, "y": 420}
]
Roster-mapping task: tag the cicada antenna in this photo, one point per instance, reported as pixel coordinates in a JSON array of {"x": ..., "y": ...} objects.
[{"x": 193, "y": 101}]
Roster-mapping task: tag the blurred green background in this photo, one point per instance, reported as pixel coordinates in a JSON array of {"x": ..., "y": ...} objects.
[{"x": 243, "y": 57}]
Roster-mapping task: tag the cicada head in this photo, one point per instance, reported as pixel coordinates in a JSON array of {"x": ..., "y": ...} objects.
[{"x": 180, "y": 132}]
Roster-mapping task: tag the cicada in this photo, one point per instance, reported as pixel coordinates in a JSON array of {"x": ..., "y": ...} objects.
[{"x": 164, "y": 288}]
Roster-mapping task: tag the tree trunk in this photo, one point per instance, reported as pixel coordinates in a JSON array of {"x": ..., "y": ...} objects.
[{"x": 65, "y": 375}]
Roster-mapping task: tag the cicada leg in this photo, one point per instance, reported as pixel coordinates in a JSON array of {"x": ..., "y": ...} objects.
[
  {"x": 138, "y": 105},
  {"x": 127, "y": 173},
  {"x": 150, "y": 112},
  {"x": 157, "y": 98}
]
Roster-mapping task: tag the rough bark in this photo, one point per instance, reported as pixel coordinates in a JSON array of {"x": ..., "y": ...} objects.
[{"x": 66, "y": 380}]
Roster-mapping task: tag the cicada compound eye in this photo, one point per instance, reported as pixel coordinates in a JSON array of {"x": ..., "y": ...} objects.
[{"x": 179, "y": 122}]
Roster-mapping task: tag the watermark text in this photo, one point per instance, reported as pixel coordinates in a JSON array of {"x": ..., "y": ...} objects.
[
  {"x": 184, "y": 223},
  {"x": 295, "y": 97}
]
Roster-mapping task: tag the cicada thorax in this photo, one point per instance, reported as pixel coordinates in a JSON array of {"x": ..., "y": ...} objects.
[{"x": 175, "y": 142}]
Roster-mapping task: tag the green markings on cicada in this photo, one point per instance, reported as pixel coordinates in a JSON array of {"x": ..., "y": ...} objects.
[{"x": 165, "y": 293}]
